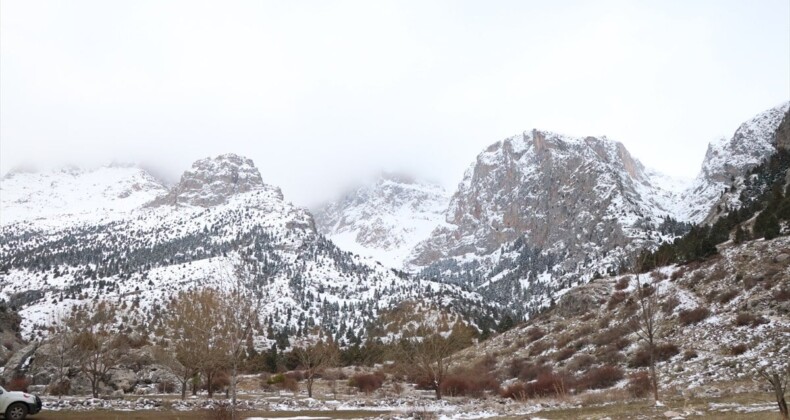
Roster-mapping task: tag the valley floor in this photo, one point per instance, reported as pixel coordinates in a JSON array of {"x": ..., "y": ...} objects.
[{"x": 602, "y": 405}]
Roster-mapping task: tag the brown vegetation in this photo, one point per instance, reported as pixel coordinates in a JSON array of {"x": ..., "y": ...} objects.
[
  {"x": 367, "y": 382},
  {"x": 693, "y": 316},
  {"x": 748, "y": 319}
]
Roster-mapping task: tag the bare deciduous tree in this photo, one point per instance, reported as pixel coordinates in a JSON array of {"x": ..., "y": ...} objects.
[
  {"x": 776, "y": 374},
  {"x": 95, "y": 347},
  {"x": 432, "y": 356},
  {"x": 778, "y": 382},
  {"x": 199, "y": 340},
  {"x": 316, "y": 358},
  {"x": 237, "y": 318},
  {"x": 59, "y": 352},
  {"x": 190, "y": 326},
  {"x": 649, "y": 327}
]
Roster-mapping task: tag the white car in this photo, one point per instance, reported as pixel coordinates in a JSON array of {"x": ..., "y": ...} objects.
[{"x": 17, "y": 405}]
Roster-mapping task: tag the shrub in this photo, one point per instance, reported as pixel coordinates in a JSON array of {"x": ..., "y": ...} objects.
[
  {"x": 535, "y": 334},
  {"x": 285, "y": 382},
  {"x": 19, "y": 383},
  {"x": 658, "y": 276},
  {"x": 547, "y": 385},
  {"x": 610, "y": 335},
  {"x": 600, "y": 378},
  {"x": 367, "y": 382},
  {"x": 641, "y": 356},
  {"x": 516, "y": 391},
  {"x": 629, "y": 308},
  {"x": 616, "y": 298},
  {"x": 469, "y": 384},
  {"x": 580, "y": 362},
  {"x": 622, "y": 283},
  {"x": 745, "y": 318},
  {"x": 564, "y": 354},
  {"x": 782, "y": 295},
  {"x": 220, "y": 381},
  {"x": 717, "y": 274},
  {"x": 639, "y": 384},
  {"x": 693, "y": 316},
  {"x": 275, "y": 379},
  {"x": 669, "y": 304},
  {"x": 59, "y": 388},
  {"x": 609, "y": 354},
  {"x": 296, "y": 375},
  {"x": 531, "y": 371},
  {"x": 727, "y": 296},
  {"x": 738, "y": 349},
  {"x": 166, "y": 387},
  {"x": 711, "y": 296},
  {"x": 515, "y": 367},
  {"x": 563, "y": 340},
  {"x": 538, "y": 347},
  {"x": 666, "y": 351}
]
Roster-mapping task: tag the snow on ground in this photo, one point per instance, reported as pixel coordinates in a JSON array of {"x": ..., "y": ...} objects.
[{"x": 95, "y": 195}]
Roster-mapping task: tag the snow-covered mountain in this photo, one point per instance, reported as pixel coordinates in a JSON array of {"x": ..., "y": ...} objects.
[
  {"x": 78, "y": 195},
  {"x": 534, "y": 215},
  {"x": 220, "y": 219},
  {"x": 384, "y": 220},
  {"x": 725, "y": 163},
  {"x": 539, "y": 211}
]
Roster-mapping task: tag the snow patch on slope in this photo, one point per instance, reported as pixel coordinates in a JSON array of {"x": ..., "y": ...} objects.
[
  {"x": 384, "y": 221},
  {"x": 75, "y": 194}
]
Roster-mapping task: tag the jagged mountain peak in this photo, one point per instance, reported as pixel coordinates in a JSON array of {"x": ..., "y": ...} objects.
[
  {"x": 212, "y": 181},
  {"x": 726, "y": 160},
  {"x": 540, "y": 211},
  {"x": 752, "y": 142},
  {"x": 516, "y": 182}
]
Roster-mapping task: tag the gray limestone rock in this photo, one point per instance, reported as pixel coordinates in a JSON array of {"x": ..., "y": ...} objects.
[
  {"x": 213, "y": 181},
  {"x": 16, "y": 364}
]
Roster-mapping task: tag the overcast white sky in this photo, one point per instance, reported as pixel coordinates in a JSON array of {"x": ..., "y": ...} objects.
[{"x": 325, "y": 94}]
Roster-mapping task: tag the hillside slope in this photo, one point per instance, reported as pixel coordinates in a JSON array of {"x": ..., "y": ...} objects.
[
  {"x": 218, "y": 220},
  {"x": 717, "y": 319}
]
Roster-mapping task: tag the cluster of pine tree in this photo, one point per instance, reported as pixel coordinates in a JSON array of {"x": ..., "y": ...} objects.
[{"x": 763, "y": 193}]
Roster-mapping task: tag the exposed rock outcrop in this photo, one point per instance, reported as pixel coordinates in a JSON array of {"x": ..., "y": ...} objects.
[
  {"x": 727, "y": 160},
  {"x": 213, "y": 181},
  {"x": 17, "y": 364}
]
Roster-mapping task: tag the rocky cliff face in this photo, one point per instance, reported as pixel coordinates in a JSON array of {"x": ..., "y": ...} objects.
[
  {"x": 728, "y": 160},
  {"x": 549, "y": 189},
  {"x": 10, "y": 338},
  {"x": 718, "y": 185},
  {"x": 782, "y": 138},
  {"x": 213, "y": 181},
  {"x": 384, "y": 220},
  {"x": 540, "y": 210}
]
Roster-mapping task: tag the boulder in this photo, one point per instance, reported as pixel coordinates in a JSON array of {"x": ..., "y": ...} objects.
[
  {"x": 123, "y": 379},
  {"x": 18, "y": 362}
]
